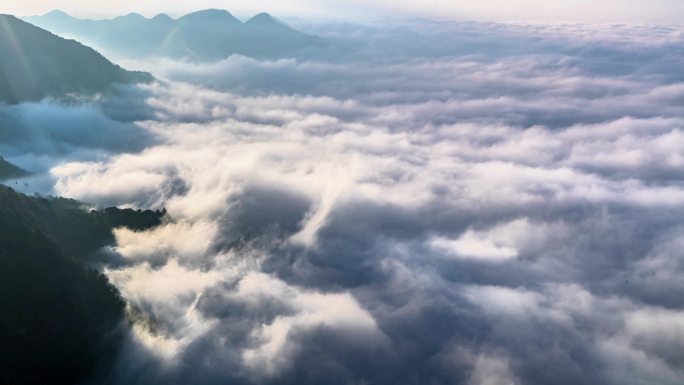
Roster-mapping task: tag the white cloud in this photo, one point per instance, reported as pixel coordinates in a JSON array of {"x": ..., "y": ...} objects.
[
  {"x": 343, "y": 209},
  {"x": 274, "y": 342}
]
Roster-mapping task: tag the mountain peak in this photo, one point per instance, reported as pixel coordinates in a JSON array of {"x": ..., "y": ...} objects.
[
  {"x": 57, "y": 14},
  {"x": 132, "y": 17},
  {"x": 162, "y": 17},
  {"x": 263, "y": 19},
  {"x": 213, "y": 15}
]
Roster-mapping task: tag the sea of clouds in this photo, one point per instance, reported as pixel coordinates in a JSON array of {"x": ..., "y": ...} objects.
[{"x": 419, "y": 203}]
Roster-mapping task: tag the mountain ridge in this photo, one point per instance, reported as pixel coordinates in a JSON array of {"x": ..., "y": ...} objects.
[
  {"x": 10, "y": 171},
  {"x": 59, "y": 14},
  {"x": 204, "y": 35},
  {"x": 35, "y": 64},
  {"x": 61, "y": 320}
]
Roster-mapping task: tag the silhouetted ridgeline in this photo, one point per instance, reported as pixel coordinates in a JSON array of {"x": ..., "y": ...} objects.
[
  {"x": 35, "y": 64},
  {"x": 211, "y": 34},
  {"x": 59, "y": 320}
]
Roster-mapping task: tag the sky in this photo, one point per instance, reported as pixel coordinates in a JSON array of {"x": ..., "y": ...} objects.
[{"x": 600, "y": 11}]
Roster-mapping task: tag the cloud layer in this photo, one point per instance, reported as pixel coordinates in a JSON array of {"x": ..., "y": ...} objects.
[{"x": 499, "y": 212}]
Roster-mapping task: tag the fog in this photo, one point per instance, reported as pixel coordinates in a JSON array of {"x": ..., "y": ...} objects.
[{"x": 501, "y": 207}]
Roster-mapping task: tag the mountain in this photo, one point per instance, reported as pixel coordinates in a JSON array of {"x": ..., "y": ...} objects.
[
  {"x": 60, "y": 320},
  {"x": 206, "y": 35},
  {"x": 10, "y": 171},
  {"x": 35, "y": 64}
]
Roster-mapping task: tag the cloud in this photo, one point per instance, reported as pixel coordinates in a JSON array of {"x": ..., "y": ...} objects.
[
  {"x": 483, "y": 215},
  {"x": 492, "y": 371},
  {"x": 274, "y": 347},
  {"x": 51, "y": 128}
]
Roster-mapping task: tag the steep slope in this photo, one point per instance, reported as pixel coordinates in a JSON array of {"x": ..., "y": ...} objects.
[
  {"x": 59, "y": 320},
  {"x": 206, "y": 35},
  {"x": 9, "y": 171},
  {"x": 75, "y": 231},
  {"x": 270, "y": 36},
  {"x": 35, "y": 64}
]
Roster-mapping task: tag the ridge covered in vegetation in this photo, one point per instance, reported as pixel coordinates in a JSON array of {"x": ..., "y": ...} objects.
[
  {"x": 59, "y": 320},
  {"x": 9, "y": 171},
  {"x": 35, "y": 64}
]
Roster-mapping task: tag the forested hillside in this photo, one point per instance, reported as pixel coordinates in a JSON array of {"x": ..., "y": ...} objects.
[
  {"x": 35, "y": 64},
  {"x": 59, "y": 319}
]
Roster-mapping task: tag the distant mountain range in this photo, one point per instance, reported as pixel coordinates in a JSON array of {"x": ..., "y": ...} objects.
[
  {"x": 204, "y": 35},
  {"x": 35, "y": 64}
]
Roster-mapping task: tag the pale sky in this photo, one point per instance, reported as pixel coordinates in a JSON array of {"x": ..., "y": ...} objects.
[{"x": 639, "y": 11}]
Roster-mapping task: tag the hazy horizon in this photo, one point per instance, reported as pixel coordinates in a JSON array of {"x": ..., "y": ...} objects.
[{"x": 602, "y": 11}]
